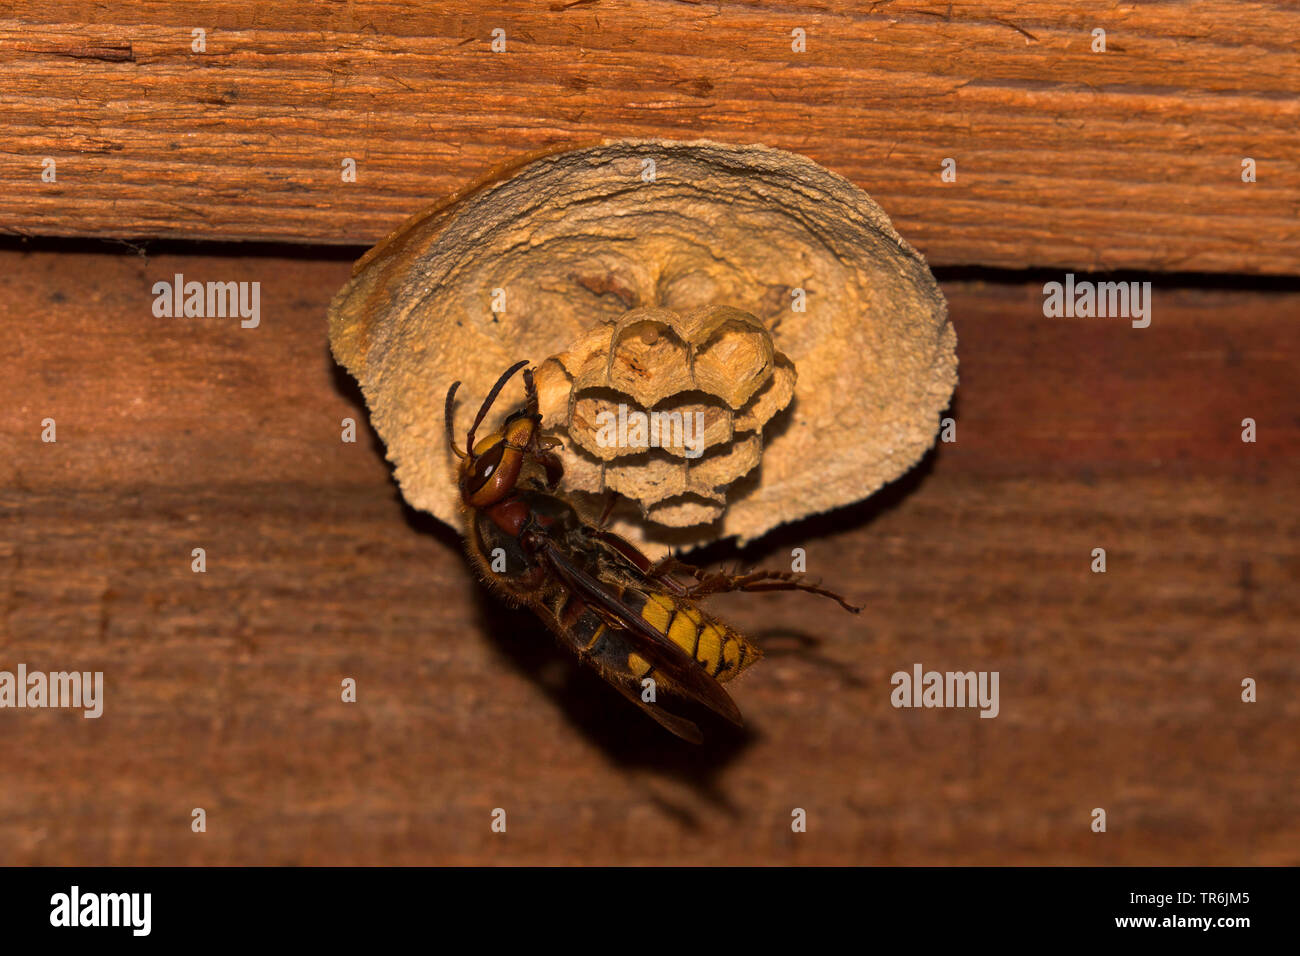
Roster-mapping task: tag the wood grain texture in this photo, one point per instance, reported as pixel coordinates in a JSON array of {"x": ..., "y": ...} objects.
[
  {"x": 1118, "y": 690},
  {"x": 1127, "y": 159}
]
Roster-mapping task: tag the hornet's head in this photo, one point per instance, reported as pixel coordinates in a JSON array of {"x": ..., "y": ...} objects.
[{"x": 490, "y": 468}]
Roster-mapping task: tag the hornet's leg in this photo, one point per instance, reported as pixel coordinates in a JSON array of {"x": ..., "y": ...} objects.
[
  {"x": 530, "y": 392},
  {"x": 543, "y": 445},
  {"x": 718, "y": 582}
]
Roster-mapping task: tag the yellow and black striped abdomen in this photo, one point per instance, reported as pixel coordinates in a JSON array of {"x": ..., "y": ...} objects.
[{"x": 721, "y": 651}]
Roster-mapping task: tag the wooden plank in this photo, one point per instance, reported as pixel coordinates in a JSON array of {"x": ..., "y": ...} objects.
[
  {"x": 1127, "y": 159},
  {"x": 1118, "y": 690}
]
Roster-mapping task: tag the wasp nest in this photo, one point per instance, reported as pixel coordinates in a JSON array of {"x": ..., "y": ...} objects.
[
  {"x": 666, "y": 277},
  {"x": 667, "y": 410}
]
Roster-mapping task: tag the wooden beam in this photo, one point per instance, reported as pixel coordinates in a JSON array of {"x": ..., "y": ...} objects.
[
  {"x": 1065, "y": 157},
  {"x": 1119, "y": 690}
]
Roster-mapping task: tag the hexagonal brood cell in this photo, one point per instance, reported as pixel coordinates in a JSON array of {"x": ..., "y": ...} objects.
[{"x": 666, "y": 409}]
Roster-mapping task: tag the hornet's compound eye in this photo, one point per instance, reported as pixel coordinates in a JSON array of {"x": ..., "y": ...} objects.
[{"x": 485, "y": 467}]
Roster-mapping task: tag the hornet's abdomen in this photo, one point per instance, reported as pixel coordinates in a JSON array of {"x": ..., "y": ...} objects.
[{"x": 718, "y": 649}]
